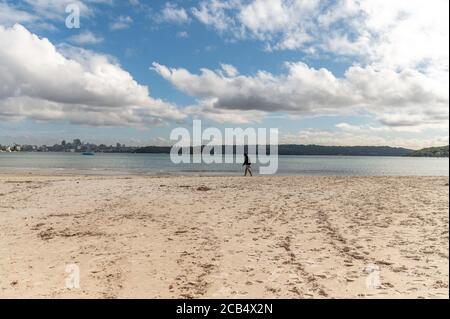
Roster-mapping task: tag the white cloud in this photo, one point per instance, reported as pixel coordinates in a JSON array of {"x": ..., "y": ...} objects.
[
  {"x": 45, "y": 14},
  {"x": 217, "y": 14},
  {"x": 56, "y": 9},
  {"x": 282, "y": 24},
  {"x": 386, "y": 129},
  {"x": 396, "y": 98},
  {"x": 402, "y": 33},
  {"x": 10, "y": 15},
  {"x": 386, "y": 33},
  {"x": 348, "y": 127},
  {"x": 360, "y": 138},
  {"x": 171, "y": 13},
  {"x": 183, "y": 34},
  {"x": 289, "y": 21},
  {"x": 42, "y": 82},
  {"x": 86, "y": 37},
  {"x": 122, "y": 22},
  {"x": 230, "y": 70},
  {"x": 206, "y": 109}
]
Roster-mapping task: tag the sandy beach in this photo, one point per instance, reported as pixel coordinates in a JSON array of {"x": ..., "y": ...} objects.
[{"x": 213, "y": 237}]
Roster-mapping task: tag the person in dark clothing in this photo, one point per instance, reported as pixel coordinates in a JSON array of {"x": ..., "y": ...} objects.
[{"x": 247, "y": 165}]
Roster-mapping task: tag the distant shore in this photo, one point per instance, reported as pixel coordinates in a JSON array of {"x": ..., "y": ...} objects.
[
  {"x": 213, "y": 237},
  {"x": 283, "y": 149}
]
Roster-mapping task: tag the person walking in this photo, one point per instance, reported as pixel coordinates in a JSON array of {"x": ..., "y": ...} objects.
[{"x": 248, "y": 165}]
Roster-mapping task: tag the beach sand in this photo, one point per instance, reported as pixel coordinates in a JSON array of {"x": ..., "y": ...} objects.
[{"x": 213, "y": 237}]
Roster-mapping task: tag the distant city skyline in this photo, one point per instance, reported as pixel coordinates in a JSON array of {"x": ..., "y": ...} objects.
[
  {"x": 343, "y": 72},
  {"x": 76, "y": 145}
]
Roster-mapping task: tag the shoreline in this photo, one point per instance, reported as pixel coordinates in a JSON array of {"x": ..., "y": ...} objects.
[
  {"x": 218, "y": 237},
  {"x": 181, "y": 174}
]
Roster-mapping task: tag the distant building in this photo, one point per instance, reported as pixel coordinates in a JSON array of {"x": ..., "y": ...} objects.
[
  {"x": 77, "y": 146},
  {"x": 76, "y": 143}
]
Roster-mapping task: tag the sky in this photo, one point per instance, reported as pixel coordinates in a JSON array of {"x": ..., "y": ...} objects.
[{"x": 342, "y": 72}]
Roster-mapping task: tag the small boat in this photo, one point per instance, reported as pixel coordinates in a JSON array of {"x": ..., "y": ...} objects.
[{"x": 88, "y": 154}]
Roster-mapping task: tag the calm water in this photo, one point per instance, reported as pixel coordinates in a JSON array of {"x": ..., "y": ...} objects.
[{"x": 161, "y": 164}]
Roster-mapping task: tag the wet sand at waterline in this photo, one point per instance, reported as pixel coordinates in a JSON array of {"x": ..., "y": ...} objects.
[{"x": 212, "y": 237}]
